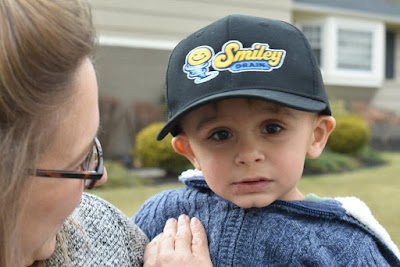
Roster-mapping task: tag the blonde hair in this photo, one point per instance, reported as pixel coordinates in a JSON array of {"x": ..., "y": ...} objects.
[{"x": 42, "y": 44}]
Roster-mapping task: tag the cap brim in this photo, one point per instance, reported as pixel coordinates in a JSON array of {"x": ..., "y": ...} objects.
[{"x": 286, "y": 99}]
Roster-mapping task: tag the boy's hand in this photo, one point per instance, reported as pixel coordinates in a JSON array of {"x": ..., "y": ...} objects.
[{"x": 183, "y": 243}]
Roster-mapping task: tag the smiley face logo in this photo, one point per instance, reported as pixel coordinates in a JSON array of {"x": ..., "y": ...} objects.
[
  {"x": 197, "y": 64},
  {"x": 199, "y": 55}
]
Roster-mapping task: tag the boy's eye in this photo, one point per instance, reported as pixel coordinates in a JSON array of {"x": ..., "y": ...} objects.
[
  {"x": 272, "y": 128},
  {"x": 221, "y": 135}
]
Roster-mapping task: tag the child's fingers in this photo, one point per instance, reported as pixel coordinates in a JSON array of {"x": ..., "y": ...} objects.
[
  {"x": 183, "y": 238},
  {"x": 199, "y": 240}
]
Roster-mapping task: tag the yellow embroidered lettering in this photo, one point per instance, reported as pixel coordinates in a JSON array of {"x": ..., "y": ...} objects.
[
  {"x": 267, "y": 55},
  {"x": 261, "y": 51},
  {"x": 242, "y": 55},
  {"x": 224, "y": 60},
  {"x": 275, "y": 58},
  {"x": 238, "y": 58}
]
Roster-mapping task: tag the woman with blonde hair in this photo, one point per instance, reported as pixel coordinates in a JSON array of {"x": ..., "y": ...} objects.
[{"x": 49, "y": 118}]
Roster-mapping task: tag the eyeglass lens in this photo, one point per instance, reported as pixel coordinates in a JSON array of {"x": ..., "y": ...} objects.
[
  {"x": 91, "y": 164},
  {"x": 92, "y": 160}
]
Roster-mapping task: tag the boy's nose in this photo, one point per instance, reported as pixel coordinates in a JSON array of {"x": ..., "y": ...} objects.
[{"x": 249, "y": 152}]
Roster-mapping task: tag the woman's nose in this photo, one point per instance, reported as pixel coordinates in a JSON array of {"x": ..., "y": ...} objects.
[
  {"x": 89, "y": 184},
  {"x": 103, "y": 178}
]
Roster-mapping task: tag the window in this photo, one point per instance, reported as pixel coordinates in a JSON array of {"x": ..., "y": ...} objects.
[
  {"x": 390, "y": 45},
  {"x": 354, "y": 49},
  {"x": 350, "y": 51},
  {"x": 313, "y": 34}
]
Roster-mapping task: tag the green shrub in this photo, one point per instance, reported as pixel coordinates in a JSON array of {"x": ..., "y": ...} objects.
[
  {"x": 119, "y": 176},
  {"x": 338, "y": 107},
  {"x": 152, "y": 153},
  {"x": 370, "y": 157},
  {"x": 330, "y": 162},
  {"x": 350, "y": 135}
]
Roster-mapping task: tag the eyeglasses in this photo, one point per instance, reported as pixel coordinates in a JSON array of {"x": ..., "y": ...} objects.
[{"x": 91, "y": 169}]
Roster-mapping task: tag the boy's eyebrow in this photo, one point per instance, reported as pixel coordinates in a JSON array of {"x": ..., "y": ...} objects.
[
  {"x": 279, "y": 110},
  {"x": 208, "y": 118},
  {"x": 271, "y": 109},
  {"x": 205, "y": 121}
]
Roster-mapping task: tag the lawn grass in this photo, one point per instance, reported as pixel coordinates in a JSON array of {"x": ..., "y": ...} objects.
[
  {"x": 129, "y": 200},
  {"x": 378, "y": 187}
]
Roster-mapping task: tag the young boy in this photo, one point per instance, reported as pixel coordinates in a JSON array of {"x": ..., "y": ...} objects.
[{"x": 246, "y": 105}]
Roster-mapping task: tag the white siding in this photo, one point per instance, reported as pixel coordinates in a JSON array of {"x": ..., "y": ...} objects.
[
  {"x": 388, "y": 97},
  {"x": 160, "y": 23}
]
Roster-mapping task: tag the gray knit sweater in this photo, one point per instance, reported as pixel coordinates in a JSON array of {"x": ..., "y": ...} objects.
[{"x": 98, "y": 234}]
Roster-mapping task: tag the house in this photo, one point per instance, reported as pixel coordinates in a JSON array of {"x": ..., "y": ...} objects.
[{"x": 356, "y": 42}]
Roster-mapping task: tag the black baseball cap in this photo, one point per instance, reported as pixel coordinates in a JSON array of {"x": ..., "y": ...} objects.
[{"x": 247, "y": 57}]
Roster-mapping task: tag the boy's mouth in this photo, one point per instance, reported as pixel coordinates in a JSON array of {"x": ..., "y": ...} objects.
[{"x": 252, "y": 185}]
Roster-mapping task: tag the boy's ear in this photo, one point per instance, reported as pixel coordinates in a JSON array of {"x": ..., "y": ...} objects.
[
  {"x": 323, "y": 127},
  {"x": 181, "y": 145}
]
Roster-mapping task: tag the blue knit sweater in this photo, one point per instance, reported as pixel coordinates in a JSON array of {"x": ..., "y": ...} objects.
[{"x": 285, "y": 233}]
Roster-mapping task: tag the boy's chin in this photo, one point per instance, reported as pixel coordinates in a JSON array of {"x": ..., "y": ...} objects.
[{"x": 251, "y": 203}]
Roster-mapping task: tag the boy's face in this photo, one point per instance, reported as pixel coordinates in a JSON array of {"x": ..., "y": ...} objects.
[{"x": 251, "y": 152}]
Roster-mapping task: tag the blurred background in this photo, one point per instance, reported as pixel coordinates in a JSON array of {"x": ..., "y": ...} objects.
[{"x": 357, "y": 45}]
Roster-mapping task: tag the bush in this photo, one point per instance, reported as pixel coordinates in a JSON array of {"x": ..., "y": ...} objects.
[
  {"x": 152, "y": 153},
  {"x": 119, "y": 176},
  {"x": 370, "y": 157},
  {"x": 330, "y": 162},
  {"x": 338, "y": 107},
  {"x": 350, "y": 135}
]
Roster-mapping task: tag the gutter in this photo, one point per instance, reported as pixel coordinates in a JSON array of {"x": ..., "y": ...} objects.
[{"x": 342, "y": 11}]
